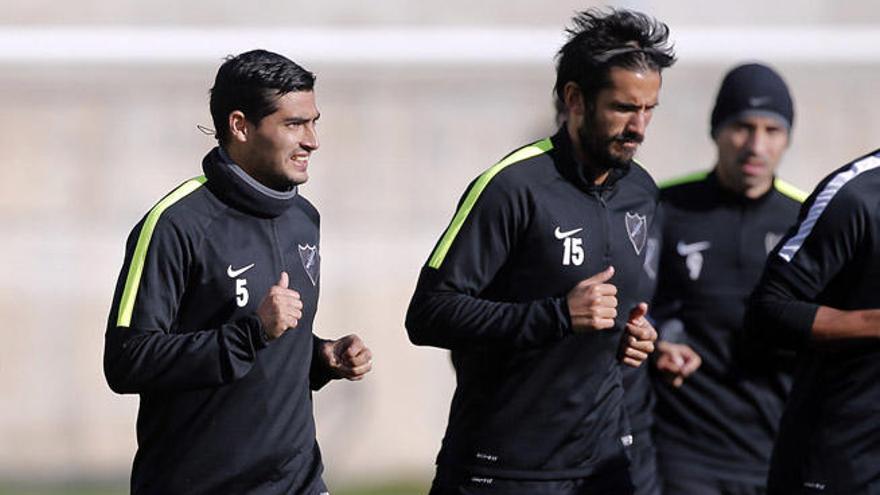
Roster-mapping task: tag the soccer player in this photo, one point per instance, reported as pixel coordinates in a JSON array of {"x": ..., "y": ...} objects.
[
  {"x": 820, "y": 295},
  {"x": 212, "y": 318},
  {"x": 533, "y": 286},
  {"x": 715, "y": 425}
]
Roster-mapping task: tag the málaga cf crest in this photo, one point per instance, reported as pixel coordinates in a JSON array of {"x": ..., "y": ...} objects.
[
  {"x": 637, "y": 228},
  {"x": 311, "y": 261}
]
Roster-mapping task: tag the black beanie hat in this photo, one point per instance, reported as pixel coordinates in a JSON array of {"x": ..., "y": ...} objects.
[{"x": 752, "y": 88}]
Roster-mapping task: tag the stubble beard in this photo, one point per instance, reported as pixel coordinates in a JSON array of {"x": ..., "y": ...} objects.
[{"x": 598, "y": 149}]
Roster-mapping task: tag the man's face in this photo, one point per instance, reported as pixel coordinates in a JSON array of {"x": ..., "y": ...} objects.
[
  {"x": 277, "y": 150},
  {"x": 615, "y": 123},
  {"x": 749, "y": 151}
]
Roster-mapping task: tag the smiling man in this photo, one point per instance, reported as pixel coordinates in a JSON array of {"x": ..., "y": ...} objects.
[
  {"x": 716, "y": 421},
  {"x": 534, "y": 284},
  {"x": 212, "y": 318}
]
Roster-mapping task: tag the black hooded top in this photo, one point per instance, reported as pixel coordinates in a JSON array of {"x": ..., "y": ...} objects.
[
  {"x": 222, "y": 409},
  {"x": 534, "y": 401}
]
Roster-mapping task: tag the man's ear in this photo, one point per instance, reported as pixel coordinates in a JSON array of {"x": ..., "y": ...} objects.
[
  {"x": 238, "y": 128},
  {"x": 574, "y": 98}
]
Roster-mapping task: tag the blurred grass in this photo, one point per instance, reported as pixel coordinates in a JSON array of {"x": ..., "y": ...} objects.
[
  {"x": 63, "y": 489},
  {"x": 402, "y": 488},
  {"x": 394, "y": 488}
]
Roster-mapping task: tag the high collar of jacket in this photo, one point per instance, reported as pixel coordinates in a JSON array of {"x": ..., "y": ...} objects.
[
  {"x": 235, "y": 187},
  {"x": 569, "y": 167},
  {"x": 727, "y": 196}
]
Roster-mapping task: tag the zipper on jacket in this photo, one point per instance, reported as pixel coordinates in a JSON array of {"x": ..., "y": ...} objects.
[
  {"x": 278, "y": 251},
  {"x": 606, "y": 228},
  {"x": 740, "y": 237}
]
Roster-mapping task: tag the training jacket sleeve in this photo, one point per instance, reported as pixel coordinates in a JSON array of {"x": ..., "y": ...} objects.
[
  {"x": 319, "y": 373},
  {"x": 143, "y": 351},
  {"x": 783, "y": 306},
  {"x": 450, "y": 309}
]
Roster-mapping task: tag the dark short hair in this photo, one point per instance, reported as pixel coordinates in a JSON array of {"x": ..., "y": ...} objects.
[
  {"x": 600, "y": 40},
  {"x": 252, "y": 82}
]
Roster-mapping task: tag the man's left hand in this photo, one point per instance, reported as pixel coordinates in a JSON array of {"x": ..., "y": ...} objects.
[
  {"x": 638, "y": 341},
  {"x": 347, "y": 357}
]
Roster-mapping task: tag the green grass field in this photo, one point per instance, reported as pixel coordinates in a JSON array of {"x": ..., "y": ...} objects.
[{"x": 398, "y": 488}]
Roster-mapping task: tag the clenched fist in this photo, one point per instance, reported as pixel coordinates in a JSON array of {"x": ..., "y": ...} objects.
[
  {"x": 677, "y": 362},
  {"x": 280, "y": 309},
  {"x": 592, "y": 303},
  {"x": 347, "y": 357},
  {"x": 638, "y": 340}
]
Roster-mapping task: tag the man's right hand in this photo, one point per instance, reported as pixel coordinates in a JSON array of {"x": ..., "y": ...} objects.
[
  {"x": 280, "y": 309},
  {"x": 592, "y": 303},
  {"x": 676, "y": 362}
]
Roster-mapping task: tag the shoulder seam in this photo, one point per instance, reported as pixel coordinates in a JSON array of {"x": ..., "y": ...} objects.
[
  {"x": 789, "y": 190},
  {"x": 526, "y": 152},
  {"x": 136, "y": 266},
  {"x": 683, "y": 179},
  {"x": 821, "y": 201}
]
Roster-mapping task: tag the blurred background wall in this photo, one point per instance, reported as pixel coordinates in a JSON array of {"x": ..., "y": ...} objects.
[{"x": 100, "y": 101}]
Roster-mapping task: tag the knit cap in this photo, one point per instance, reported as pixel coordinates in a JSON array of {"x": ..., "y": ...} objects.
[{"x": 752, "y": 89}]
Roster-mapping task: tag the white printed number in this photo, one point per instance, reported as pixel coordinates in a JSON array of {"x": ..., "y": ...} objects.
[
  {"x": 574, "y": 251},
  {"x": 241, "y": 292}
]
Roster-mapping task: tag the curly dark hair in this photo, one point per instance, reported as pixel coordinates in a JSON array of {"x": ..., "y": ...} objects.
[
  {"x": 600, "y": 40},
  {"x": 252, "y": 82}
]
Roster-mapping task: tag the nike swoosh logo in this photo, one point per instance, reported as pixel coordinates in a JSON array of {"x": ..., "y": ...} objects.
[
  {"x": 686, "y": 249},
  {"x": 757, "y": 101},
  {"x": 562, "y": 235},
  {"x": 235, "y": 273}
]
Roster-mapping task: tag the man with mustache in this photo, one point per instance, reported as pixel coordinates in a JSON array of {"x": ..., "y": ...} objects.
[
  {"x": 534, "y": 284},
  {"x": 716, "y": 421}
]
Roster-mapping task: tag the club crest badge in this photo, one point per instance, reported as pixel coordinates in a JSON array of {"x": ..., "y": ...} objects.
[
  {"x": 311, "y": 261},
  {"x": 637, "y": 228}
]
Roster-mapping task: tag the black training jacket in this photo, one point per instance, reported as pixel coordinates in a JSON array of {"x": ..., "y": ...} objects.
[
  {"x": 829, "y": 440},
  {"x": 638, "y": 394},
  {"x": 221, "y": 409},
  {"x": 533, "y": 400},
  {"x": 722, "y": 422}
]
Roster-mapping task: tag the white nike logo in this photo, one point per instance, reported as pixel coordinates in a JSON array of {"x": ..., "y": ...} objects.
[
  {"x": 757, "y": 101},
  {"x": 562, "y": 235},
  {"x": 686, "y": 249},
  {"x": 235, "y": 273}
]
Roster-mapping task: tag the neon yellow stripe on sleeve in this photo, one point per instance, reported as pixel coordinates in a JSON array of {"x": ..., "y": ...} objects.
[
  {"x": 790, "y": 190},
  {"x": 461, "y": 215},
  {"x": 136, "y": 267}
]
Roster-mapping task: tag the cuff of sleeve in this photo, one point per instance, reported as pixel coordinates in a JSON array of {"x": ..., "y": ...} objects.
[
  {"x": 254, "y": 327},
  {"x": 320, "y": 374},
  {"x": 563, "y": 316},
  {"x": 785, "y": 324},
  {"x": 798, "y": 317}
]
